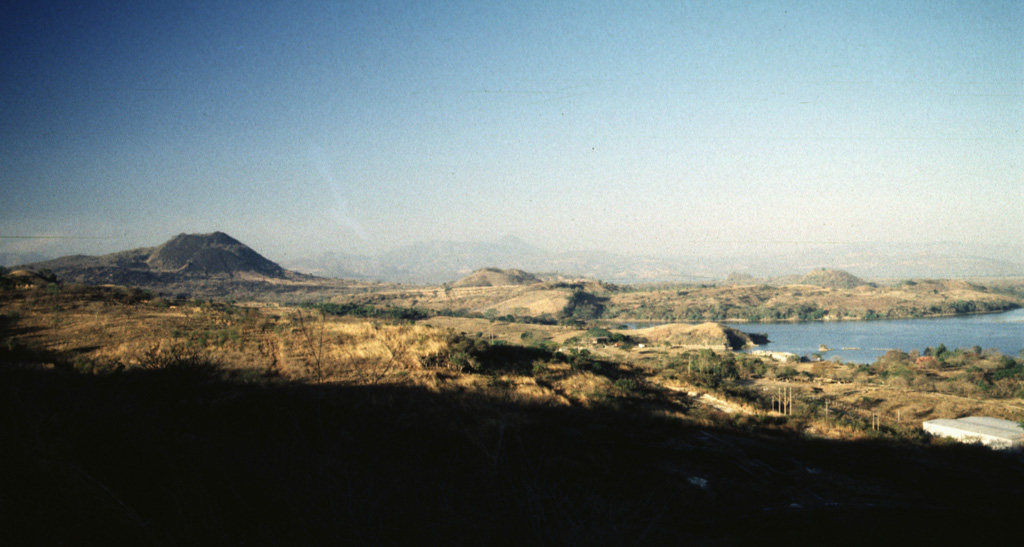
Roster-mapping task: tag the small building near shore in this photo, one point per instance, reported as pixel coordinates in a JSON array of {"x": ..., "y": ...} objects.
[{"x": 991, "y": 432}]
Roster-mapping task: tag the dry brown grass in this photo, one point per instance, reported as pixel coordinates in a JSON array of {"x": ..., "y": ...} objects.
[
  {"x": 104, "y": 335},
  {"x": 500, "y": 330},
  {"x": 99, "y": 335},
  {"x": 361, "y": 351},
  {"x": 272, "y": 341},
  {"x": 709, "y": 335}
]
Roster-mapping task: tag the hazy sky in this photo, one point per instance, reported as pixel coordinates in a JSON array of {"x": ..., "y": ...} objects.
[{"x": 639, "y": 127}]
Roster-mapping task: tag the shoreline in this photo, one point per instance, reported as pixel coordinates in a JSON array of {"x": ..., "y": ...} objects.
[{"x": 795, "y": 321}]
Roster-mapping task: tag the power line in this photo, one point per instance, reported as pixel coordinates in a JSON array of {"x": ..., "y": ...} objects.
[{"x": 54, "y": 237}]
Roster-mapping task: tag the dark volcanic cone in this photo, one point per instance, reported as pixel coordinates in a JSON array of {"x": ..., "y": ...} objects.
[{"x": 210, "y": 254}]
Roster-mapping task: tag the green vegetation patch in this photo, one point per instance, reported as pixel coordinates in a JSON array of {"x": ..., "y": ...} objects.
[{"x": 369, "y": 311}]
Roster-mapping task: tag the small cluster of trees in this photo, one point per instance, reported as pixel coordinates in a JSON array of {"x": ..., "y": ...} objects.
[
  {"x": 478, "y": 355},
  {"x": 369, "y": 311},
  {"x": 542, "y": 319},
  {"x": 713, "y": 370},
  {"x": 584, "y": 306},
  {"x": 803, "y": 312},
  {"x": 695, "y": 312},
  {"x": 612, "y": 337}
]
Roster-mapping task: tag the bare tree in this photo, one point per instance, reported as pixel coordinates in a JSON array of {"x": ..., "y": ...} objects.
[
  {"x": 396, "y": 343},
  {"x": 313, "y": 338},
  {"x": 268, "y": 349}
]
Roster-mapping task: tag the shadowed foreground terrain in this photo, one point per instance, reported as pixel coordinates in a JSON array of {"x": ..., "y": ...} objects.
[
  {"x": 184, "y": 455},
  {"x": 127, "y": 419}
]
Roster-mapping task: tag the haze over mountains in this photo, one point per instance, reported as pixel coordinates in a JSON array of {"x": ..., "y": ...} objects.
[
  {"x": 219, "y": 254},
  {"x": 216, "y": 265},
  {"x": 443, "y": 261}
]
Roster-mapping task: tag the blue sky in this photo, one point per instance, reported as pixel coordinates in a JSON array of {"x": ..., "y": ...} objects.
[{"x": 639, "y": 127}]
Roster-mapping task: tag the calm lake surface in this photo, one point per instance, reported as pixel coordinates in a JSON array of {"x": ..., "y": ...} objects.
[{"x": 864, "y": 341}]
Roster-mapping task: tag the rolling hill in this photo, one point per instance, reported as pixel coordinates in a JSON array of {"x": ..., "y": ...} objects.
[
  {"x": 494, "y": 277},
  {"x": 831, "y": 279},
  {"x": 696, "y": 336}
]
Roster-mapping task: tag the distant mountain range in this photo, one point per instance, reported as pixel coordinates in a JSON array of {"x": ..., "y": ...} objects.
[
  {"x": 446, "y": 261},
  {"x": 199, "y": 256}
]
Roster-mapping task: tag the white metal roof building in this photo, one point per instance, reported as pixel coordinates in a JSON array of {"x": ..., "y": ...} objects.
[{"x": 992, "y": 432}]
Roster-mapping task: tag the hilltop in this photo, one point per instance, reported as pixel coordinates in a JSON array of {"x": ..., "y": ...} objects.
[
  {"x": 831, "y": 279},
  {"x": 216, "y": 253},
  {"x": 822, "y": 277},
  {"x": 494, "y": 277},
  {"x": 697, "y": 336}
]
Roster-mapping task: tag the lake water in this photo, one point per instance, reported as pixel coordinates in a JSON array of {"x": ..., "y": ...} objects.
[{"x": 864, "y": 341}]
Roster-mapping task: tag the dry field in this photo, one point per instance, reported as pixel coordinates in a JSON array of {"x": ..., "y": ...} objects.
[
  {"x": 102, "y": 330},
  {"x": 105, "y": 330},
  {"x": 519, "y": 300},
  {"x": 99, "y": 331}
]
